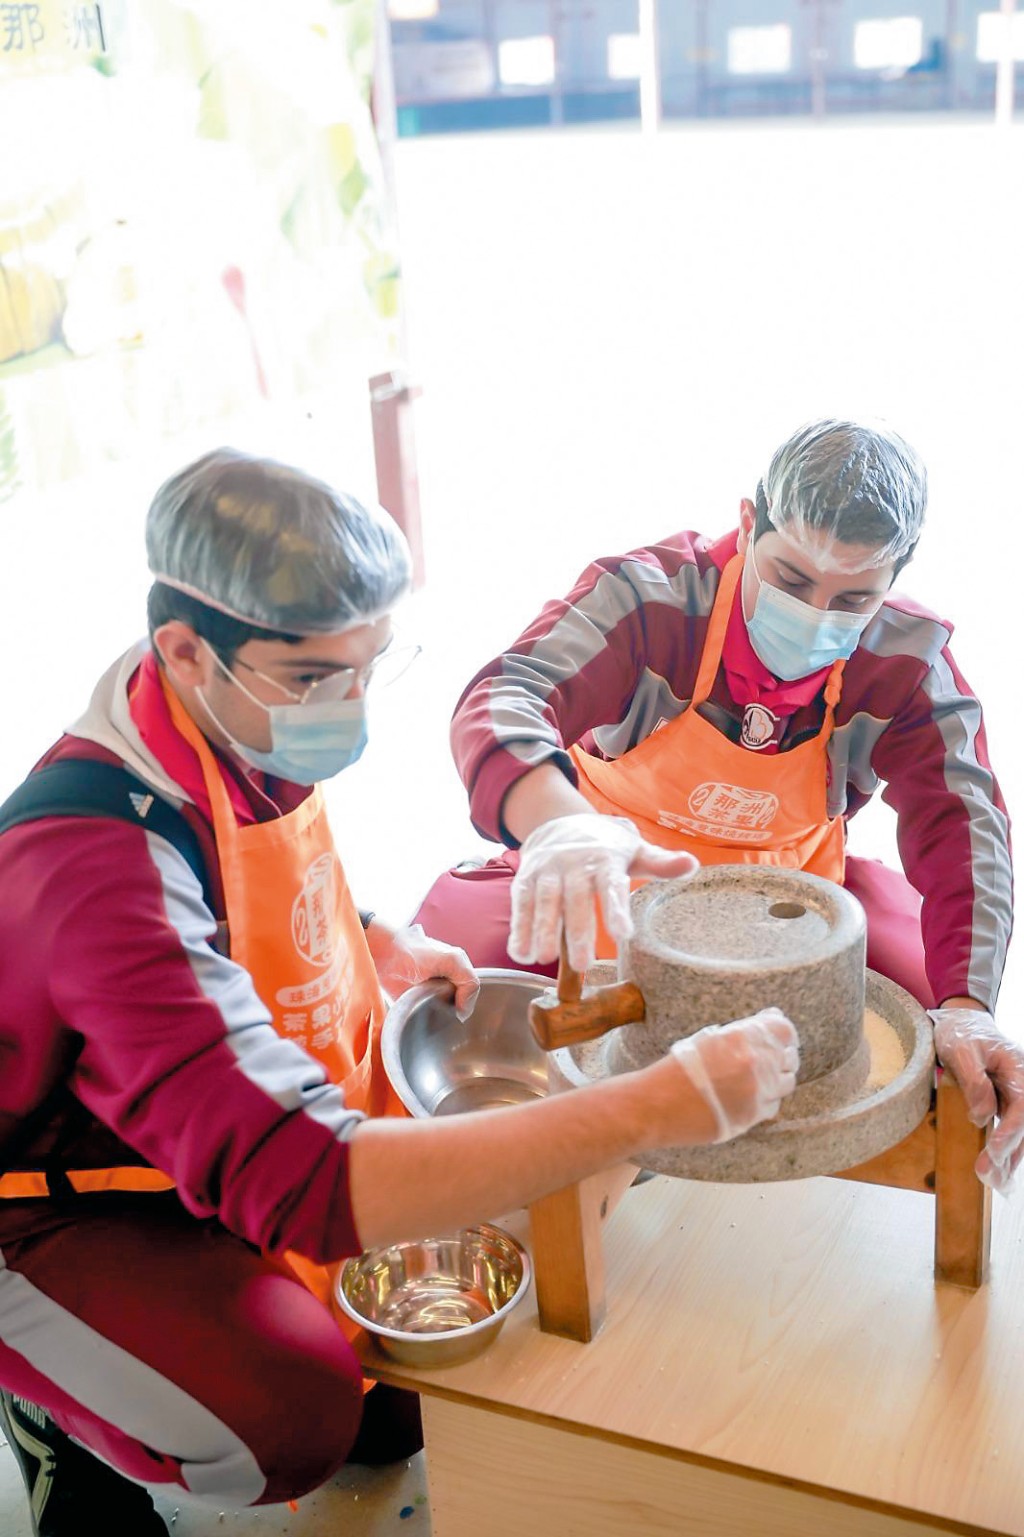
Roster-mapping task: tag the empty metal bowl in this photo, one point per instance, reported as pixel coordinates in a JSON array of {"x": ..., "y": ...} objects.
[
  {"x": 436, "y": 1301},
  {"x": 441, "y": 1065}
]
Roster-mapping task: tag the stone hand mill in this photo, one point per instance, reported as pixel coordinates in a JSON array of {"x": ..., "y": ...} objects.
[{"x": 720, "y": 946}]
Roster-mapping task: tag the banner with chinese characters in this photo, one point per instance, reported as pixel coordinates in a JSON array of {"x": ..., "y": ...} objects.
[{"x": 193, "y": 218}]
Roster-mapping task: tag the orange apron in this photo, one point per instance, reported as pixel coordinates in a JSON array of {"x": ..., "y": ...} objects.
[
  {"x": 686, "y": 786},
  {"x": 294, "y": 927}
]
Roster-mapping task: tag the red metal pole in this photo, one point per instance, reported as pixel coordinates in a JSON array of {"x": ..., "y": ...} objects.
[
  {"x": 394, "y": 452},
  {"x": 392, "y": 393}
]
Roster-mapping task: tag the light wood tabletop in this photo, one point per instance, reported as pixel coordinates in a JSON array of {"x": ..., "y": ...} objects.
[{"x": 792, "y": 1333}]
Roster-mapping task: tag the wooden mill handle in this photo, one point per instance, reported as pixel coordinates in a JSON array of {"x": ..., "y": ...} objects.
[
  {"x": 570, "y": 983},
  {"x": 569, "y": 1018}
]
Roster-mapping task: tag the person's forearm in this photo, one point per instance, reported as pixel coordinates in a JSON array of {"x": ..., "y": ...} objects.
[
  {"x": 420, "y": 1178},
  {"x": 541, "y": 794},
  {"x": 379, "y": 937}
]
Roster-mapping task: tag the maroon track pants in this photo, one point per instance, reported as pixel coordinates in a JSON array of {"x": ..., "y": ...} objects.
[{"x": 173, "y": 1349}]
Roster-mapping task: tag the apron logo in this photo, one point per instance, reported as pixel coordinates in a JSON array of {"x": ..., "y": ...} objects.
[
  {"x": 309, "y": 995},
  {"x": 730, "y": 813},
  {"x": 758, "y": 728},
  {"x": 733, "y": 806},
  {"x": 313, "y": 913}
]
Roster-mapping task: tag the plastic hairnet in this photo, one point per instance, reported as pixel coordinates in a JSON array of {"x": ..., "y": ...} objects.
[
  {"x": 272, "y": 546},
  {"x": 852, "y": 495}
]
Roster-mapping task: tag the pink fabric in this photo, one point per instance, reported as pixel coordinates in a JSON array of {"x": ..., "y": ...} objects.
[
  {"x": 893, "y": 910},
  {"x": 471, "y": 908}
]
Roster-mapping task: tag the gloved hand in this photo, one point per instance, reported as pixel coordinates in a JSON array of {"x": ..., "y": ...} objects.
[
  {"x": 404, "y": 957},
  {"x": 742, "y": 1071},
  {"x": 989, "y": 1068},
  {"x": 566, "y": 866}
]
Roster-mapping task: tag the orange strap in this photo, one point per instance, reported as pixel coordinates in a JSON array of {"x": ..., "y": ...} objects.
[{"x": 33, "y": 1184}]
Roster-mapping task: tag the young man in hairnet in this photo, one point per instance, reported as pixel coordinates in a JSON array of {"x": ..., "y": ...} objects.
[
  {"x": 193, "y": 1118},
  {"x": 738, "y": 700}
]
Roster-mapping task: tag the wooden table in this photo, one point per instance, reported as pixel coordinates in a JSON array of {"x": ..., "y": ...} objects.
[{"x": 776, "y": 1360}]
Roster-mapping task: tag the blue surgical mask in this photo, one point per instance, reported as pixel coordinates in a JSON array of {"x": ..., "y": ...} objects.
[
  {"x": 794, "y": 639},
  {"x": 308, "y": 742}
]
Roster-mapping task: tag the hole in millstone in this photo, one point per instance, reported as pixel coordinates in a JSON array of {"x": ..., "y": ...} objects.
[{"x": 786, "y": 910}]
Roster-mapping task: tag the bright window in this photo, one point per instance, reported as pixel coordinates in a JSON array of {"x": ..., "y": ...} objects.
[
  {"x": 991, "y": 32},
  {"x": 527, "y": 61},
  {"x": 412, "y": 10},
  {"x": 624, "y": 56},
  {"x": 760, "y": 50},
  {"x": 893, "y": 43}
]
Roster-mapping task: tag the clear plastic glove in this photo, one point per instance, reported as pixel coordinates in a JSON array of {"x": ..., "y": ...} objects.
[
  {"x": 989, "y": 1068},
  {"x": 404, "y": 957},
  {"x": 566, "y": 866},
  {"x": 742, "y": 1071}
]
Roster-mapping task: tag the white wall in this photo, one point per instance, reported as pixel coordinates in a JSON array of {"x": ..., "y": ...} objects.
[{"x": 612, "y": 337}]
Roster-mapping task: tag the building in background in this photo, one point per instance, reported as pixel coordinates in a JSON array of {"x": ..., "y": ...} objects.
[{"x": 472, "y": 64}]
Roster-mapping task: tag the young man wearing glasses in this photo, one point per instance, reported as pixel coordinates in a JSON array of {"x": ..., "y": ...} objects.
[{"x": 194, "y": 1120}]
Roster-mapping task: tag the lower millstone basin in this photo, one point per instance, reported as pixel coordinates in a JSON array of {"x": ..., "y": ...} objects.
[
  {"x": 887, "y": 1057},
  {"x": 860, "y": 1110}
]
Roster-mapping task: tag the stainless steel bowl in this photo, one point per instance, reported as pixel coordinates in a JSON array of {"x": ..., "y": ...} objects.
[
  {"x": 436, "y": 1301},
  {"x": 441, "y": 1065}
]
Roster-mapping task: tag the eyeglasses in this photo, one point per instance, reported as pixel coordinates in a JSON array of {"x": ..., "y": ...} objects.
[{"x": 384, "y": 670}]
